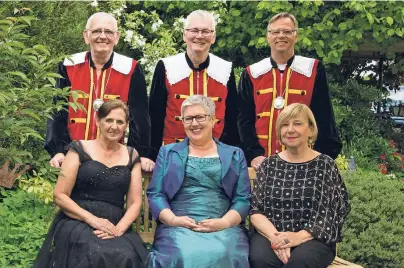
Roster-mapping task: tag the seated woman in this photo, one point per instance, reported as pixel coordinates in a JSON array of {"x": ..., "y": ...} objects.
[
  {"x": 199, "y": 193},
  {"x": 299, "y": 201},
  {"x": 93, "y": 229}
]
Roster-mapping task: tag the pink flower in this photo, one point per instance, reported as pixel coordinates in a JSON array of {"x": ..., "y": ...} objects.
[{"x": 383, "y": 157}]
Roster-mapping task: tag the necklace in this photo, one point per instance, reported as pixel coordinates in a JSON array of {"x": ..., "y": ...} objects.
[
  {"x": 279, "y": 101},
  {"x": 94, "y": 84},
  {"x": 109, "y": 158}
]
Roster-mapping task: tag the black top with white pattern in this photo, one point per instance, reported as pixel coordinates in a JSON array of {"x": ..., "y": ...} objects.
[{"x": 307, "y": 196}]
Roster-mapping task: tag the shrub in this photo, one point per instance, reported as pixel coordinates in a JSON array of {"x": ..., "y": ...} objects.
[
  {"x": 24, "y": 222},
  {"x": 374, "y": 230}
]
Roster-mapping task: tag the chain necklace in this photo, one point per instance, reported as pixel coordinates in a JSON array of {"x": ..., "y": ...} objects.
[{"x": 109, "y": 158}]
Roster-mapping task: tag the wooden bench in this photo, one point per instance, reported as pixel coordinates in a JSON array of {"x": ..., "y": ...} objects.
[{"x": 146, "y": 226}]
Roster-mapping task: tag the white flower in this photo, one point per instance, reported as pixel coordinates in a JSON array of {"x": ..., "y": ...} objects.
[
  {"x": 179, "y": 24},
  {"x": 128, "y": 36},
  {"x": 141, "y": 11},
  {"x": 138, "y": 41},
  {"x": 94, "y": 3},
  {"x": 216, "y": 17}
]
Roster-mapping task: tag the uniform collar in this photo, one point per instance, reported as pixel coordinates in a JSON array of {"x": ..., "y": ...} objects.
[
  {"x": 201, "y": 67},
  {"x": 106, "y": 65}
]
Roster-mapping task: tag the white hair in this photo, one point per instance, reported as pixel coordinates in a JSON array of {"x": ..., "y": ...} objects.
[
  {"x": 90, "y": 19},
  {"x": 200, "y": 14},
  {"x": 205, "y": 102}
]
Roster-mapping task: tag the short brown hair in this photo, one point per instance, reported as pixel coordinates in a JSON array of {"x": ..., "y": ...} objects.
[
  {"x": 281, "y": 16},
  {"x": 108, "y": 106},
  {"x": 292, "y": 111}
]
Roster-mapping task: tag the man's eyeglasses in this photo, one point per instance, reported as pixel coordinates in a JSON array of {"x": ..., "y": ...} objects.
[
  {"x": 286, "y": 32},
  {"x": 199, "y": 118},
  {"x": 196, "y": 31},
  {"x": 97, "y": 32}
]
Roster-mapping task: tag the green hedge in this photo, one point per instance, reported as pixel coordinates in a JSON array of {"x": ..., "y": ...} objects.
[
  {"x": 24, "y": 222},
  {"x": 374, "y": 230}
]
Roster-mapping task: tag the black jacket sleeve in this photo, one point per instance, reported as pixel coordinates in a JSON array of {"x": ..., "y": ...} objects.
[
  {"x": 230, "y": 133},
  {"x": 157, "y": 109},
  {"x": 139, "y": 124},
  {"x": 328, "y": 141},
  {"x": 57, "y": 136},
  {"x": 246, "y": 119}
]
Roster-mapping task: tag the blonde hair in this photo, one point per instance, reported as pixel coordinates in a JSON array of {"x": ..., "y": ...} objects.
[
  {"x": 292, "y": 111},
  {"x": 283, "y": 15}
]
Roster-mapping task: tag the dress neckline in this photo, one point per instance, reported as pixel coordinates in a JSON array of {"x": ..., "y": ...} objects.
[
  {"x": 105, "y": 165},
  {"x": 299, "y": 163},
  {"x": 205, "y": 157}
]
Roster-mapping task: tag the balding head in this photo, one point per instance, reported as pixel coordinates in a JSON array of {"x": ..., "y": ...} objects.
[
  {"x": 102, "y": 16},
  {"x": 202, "y": 15}
]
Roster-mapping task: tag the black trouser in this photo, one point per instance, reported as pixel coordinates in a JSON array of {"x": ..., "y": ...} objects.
[{"x": 311, "y": 254}]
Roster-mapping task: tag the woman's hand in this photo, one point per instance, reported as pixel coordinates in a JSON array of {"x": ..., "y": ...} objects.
[
  {"x": 283, "y": 254},
  {"x": 211, "y": 225},
  {"x": 183, "y": 221},
  {"x": 103, "y": 235},
  {"x": 103, "y": 225},
  {"x": 283, "y": 240}
]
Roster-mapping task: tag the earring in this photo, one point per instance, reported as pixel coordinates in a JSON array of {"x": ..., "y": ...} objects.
[{"x": 310, "y": 141}]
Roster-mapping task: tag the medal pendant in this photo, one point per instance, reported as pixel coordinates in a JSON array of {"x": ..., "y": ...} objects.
[
  {"x": 97, "y": 104},
  {"x": 279, "y": 102}
]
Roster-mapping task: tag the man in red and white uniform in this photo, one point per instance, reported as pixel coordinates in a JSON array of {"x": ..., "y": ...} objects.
[
  {"x": 96, "y": 76},
  {"x": 194, "y": 72},
  {"x": 268, "y": 86}
]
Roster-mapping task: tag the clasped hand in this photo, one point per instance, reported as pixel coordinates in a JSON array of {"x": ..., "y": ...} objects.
[
  {"x": 283, "y": 240},
  {"x": 204, "y": 226},
  {"x": 104, "y": 229}
]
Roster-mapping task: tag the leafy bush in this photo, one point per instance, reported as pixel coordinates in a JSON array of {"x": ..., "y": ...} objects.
[
  {"x": 374, "y": 230},
  {"x": 24, "y": 222},
  {"x": 364, "y": 135}
]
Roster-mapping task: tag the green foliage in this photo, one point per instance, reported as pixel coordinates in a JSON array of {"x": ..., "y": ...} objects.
[
  {"x": 374, "y": 229},
  {"x": 342, "y": 162},
  {"x": 361, "y": 131},
  {"x": 39, "y": 185},
  {"x": 58, "y": 24},
  {"x": 24, "y": 222},
  {"x": 27, "y": 89}
]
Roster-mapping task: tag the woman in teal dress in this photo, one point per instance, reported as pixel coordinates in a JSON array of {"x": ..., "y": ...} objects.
[{"x": 199, "y": 195}]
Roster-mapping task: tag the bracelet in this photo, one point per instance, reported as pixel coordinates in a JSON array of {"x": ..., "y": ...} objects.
[{"x": 171, "y": 222}]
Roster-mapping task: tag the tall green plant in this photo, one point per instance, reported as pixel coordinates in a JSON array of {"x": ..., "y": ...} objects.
[{"x": 27, "y": 90}]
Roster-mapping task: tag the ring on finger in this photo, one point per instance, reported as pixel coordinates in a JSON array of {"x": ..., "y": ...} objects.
[{"x": 286, "y": 241}]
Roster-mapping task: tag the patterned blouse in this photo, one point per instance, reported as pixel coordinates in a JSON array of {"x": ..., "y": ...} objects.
[{"x": 307, "y": 196}]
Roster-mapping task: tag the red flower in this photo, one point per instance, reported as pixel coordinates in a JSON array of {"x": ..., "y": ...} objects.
[
  {"x": 392, "y": 144},
  {"x": 383, "y": 157},
  {"x": 396, "y": 154}
]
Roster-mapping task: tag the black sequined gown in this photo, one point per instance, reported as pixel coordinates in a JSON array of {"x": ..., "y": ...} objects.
[{"x": 100, "y": 190}]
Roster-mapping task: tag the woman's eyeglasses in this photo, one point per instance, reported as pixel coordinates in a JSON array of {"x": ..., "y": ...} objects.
[{"x": 198, "y": 118}]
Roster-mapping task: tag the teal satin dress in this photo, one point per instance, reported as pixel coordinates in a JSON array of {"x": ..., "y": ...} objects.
[{"x": 200, "y": 197}]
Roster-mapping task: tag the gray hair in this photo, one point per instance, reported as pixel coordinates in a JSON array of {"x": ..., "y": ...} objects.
[
  {"x": 90, "y": 19},
  {"x": 205, "y": 102},
  {"x": 283, "y": 15},
  {"x": 201, "y": 14}
]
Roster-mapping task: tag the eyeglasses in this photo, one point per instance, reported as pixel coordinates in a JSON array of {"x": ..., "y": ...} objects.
[
  {"x": 199, "y": 118},
  {"x": 196, "y": 31},
  {"x": 286, "y": 32},
  {"x": 97, "y": 32}
]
